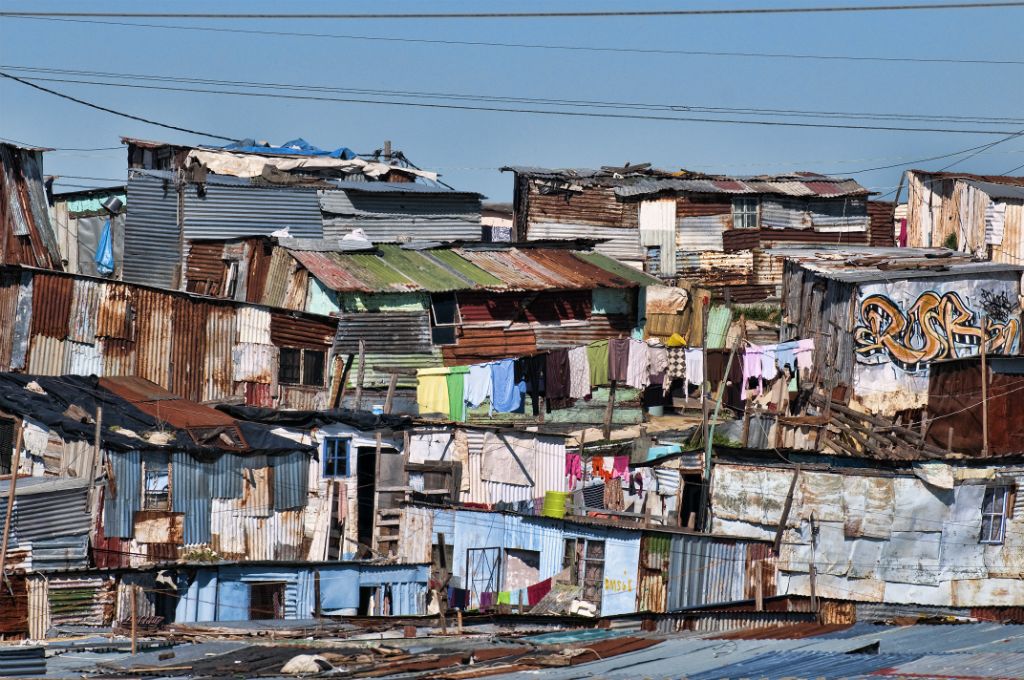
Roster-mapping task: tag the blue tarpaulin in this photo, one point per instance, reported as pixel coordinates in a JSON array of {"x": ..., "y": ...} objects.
[
  {"x": 295, "y": 147},
  {"x": 105, "y": 251}
]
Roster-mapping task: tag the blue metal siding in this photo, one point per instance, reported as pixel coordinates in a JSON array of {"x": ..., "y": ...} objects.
[
  {"x": 291, "y": 480},
  {"x": 120, "y": 507},
  {"x": 226, "y": 477},
  {"x": 191, "y": 495}
]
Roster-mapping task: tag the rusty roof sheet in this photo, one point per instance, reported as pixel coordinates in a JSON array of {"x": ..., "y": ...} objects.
[
  {"x": 396, "y": 269},
  {"x": 165, "y": 406}
]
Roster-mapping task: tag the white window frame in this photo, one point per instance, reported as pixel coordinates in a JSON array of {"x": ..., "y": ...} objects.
[
  {"x": 742, "y": 212},
  {"x": 994, "y": 511}
]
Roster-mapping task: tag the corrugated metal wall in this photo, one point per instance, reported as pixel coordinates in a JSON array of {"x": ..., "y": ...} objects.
[
  {"x": 620, "y": 243},
  {"x": 392, "y": 217},
  {"x": 225, "y": 210},
  {"x": 706, "y": 570},
  {"x": 384, "y": 333}
]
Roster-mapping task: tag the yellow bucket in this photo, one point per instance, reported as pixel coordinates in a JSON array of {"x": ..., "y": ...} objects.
[{"x": 554, "y": 504}]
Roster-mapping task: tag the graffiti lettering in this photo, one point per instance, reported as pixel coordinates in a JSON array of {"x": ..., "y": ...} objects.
[{"x": 935, "y": 327}]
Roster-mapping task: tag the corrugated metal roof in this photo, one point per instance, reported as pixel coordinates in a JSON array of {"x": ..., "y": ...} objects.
[
  {"x": 805, "y": 665},
  {"x": 401, "y": 188},
  {"x": 784, "y": 186},
  {"x": 393, "y": 269},
  {"x": 1004, "y": 191}
]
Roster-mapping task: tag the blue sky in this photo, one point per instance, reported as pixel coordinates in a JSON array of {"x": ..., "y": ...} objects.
[{"x": 468, "y": 147}]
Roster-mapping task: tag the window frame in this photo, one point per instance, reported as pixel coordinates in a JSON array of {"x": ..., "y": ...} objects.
[
  {"x": 993, "y": 522},
  {"x": 330, "y": 454},
  {"x": 579, "y": 561},
  {"x": 300, "y": 377},
  {"x": 435, "y": 325},
  {"x": 147, "y": 504},
  {"x": 741, "y": 209}
]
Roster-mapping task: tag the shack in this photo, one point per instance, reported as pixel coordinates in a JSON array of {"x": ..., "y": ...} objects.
[
  {"x": 705, "y": 229},
  {"x": 179, "y": 193},
  {"x": 168, "y": 478},
  {"x": 28, "y": 235},
  {"x": 89, "y": 227},
  {"x": 977, "y": 214},
  {"x": 881, "y": 319},
  {"x": 203, "y": 349}
]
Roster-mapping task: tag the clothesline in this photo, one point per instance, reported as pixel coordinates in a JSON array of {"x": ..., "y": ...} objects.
[{"x": 559, "y": 377}]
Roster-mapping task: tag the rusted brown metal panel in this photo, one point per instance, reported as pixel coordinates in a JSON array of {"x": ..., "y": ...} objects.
[
  {"x": 257, "y": 394},
  {"x": 117, "y": 311},
  {"x": 260, "y": 254},
  {"x": 10, "y": 286},
  {"x": 698, "y": 206},
  {"x": 206, "y": 268},
  {"x": 298, "y": 285},
  {"x": 740, "y": 239},
  {"x": 188, "y": 348},
  {"x": 597, "y": 328},
  {"x": 217, "y": 370},
  {"x": 165, "y": 405},
  {"x": 484, "y": 344},
  {"x": 301, "y": 332},
  {"x": 770, "y": 237},
  {"x": 882, "y": 229},
  {"x": 153, "y": 526},
  {"x": 27, "y": 236},
  {"x": 597, "y": 206},
  {"x": 155, "y": 317},
  {"x": 955, "y": 408},
  {"x": 118, "y": 356},
  {"x": 51, "y": 305},
  {"x": 302, "y": 398}
]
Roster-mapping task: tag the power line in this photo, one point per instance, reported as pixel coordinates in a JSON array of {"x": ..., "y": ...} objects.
[
  {"x": 1013, "y": 170},
  {"x": 833, "y": 9},
  {"x": 94, "y": 148},
  {"x": 983, "y": 149},
  {"x": 539, "y": 46},
  {"x": 113, "y": 111},
  {"x": 492, "y": 109},
  {"x": 676, "y": 108}
]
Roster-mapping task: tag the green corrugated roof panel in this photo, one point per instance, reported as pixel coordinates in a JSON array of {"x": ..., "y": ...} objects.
[
  {"x": 375, "y": 273},
  {"x": 416, "y": 266},
  {"x": 719, "y": 319},
  {"x": 618, "y": 268},
  {"x": 466, "y": 269}
]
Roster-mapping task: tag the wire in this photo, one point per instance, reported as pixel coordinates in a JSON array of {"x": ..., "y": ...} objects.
[
  {"x": 528, "y": 15},
  {"x": 113, "y": 111},
  {"x": 676, "y": 108},
  {"x": 536, "y": 46},
  {"x": 95, "y": 148},
  {"x": 492, "y": 109},
  {"x": 982, "y": 150}
]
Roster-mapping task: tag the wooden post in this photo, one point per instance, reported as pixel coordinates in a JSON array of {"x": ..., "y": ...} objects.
[
  {"x": 984, "y": 387},
  {"x": 135, "y": 617},
  {"x": 443, "y": 577},
  {"x": 705, "y": 313},
  {"x": 392, "y": 384},
  {"x": 94, "y": 461},
  {"x": 376, "y": 493},
  {"x": 341, "y": 382},
  {"x": 608, "y": 411},
  {"x": 360, "y": 375},
  {"x": 784, "y": 518},
  {"x": 15, "y": 464},
  {"x": 458, "y": 618},
  {"x": 759, "y": 586}
]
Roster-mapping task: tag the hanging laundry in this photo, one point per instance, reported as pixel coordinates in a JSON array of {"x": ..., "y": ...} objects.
[
  {"x": 573, "y": 468},
  {"x": 505, "y": 597},
  {"x": 638, "y": 365},
  {"x": 620, "y": 467},
  {"x": 579, "y": 373},
  {"x": 432, "y": 391},
  {"x": 458, "y": 598},
  {"x": 676, "y": 367},
  {"x": 487, "y": 600},
  {"x": 597, "y": 357},
  {"x": 613, "y": 497},
  {"x": 598, "y": 469},
  {"x": 456, "y": 393},
  {"x": 786, "y": 354},
  {"x": 695, "y": 367},
  {"x": 531, "y": 371},
  {"x": 536, "y": 592},
  {"x": 805, "y": 354},
  {"x": 752, "y": 371},
  {"x": 618, "y": 359},
  {"x": 556, "y": 374},
  {"x": 658, "y": 356},
  {"x": 769, "y": 358},
  {"x": 505, "y": 394},
  {"x": 478, "y": 384}
]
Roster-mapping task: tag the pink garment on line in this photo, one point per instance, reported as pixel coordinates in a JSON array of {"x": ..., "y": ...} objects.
[
  {"x": 573, "y": 468},
  {"x": 620, "y": 468},
  {"x": 752, "y": 369}
]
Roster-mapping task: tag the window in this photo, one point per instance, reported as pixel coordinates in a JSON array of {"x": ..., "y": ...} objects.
[
  {"x": 744, "y": 213},
  {"x": 336, "y": 456},
  {"x": 585, "y": 560},
  {"x": 6, "y": 445},
  {"x": 266, "y": 601},
  {"x": 994, "y": 509},
  {"x": 156, "y": 495},
  {"x": 231, "y": 279},
  {"x": 301, "y": 367},
  {"x": 444, "y": 318}
]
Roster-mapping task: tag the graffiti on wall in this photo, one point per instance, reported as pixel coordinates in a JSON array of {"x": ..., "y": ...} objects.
[{"x": 938, "y": 325}]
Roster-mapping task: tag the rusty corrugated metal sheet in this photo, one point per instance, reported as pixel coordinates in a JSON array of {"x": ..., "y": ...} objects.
[
  {"x": 882, "y": 231},
  {"x": 10, "y": 287},
  {"x": 117, "y": 311},
  {"x": 253, "y": 363},
  {"x": 165, "y": 406},
  {"x": 118, "y": 356},
  {"x": 155, "y": 336},
  {"x": 85, "y": 303},
  {"x": 954, "y": 401},
  {"x": 217, "y": 369},
  {"x": 652, "y": 586},
  {"x": 188, "y": 348},
  {"x": 253, "y": 325},
  {"x": 599, "y": 327},
  {"x": 384, "y": 333},
  {"x": 205, "y": 268},
  {"x": 279, "y": 273},
  {"x": 484, "y": 344},
  {"x": 301, "y": 332},
  {"x": 46, "y": 356},
  {"x": 258, "y": 394},
  {"x": 28, "y": 236},
  {"x": 51, "y": 305}
]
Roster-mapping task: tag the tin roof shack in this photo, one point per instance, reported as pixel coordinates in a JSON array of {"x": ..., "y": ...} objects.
[
  {"x": 79, "y": 219},
  {"x": 880, "y": 320},
  {"x": 28, "y": 235},
  {"x": 181, "y": 478},
  {"x": 259, "y": 592},
  {"x": 203, "y": 349},
  {"x": 545, "y": 564},
  {"x": 957, "y": 413},
  {"x": 926, "y": 532},
  {"x": 50, "y": 523},
  {"x": 185, "y": 193},
  {"x": 420, "y": 305},
  {"x": 706, "y": 229},
  {"x": 978, "y": 214}
]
